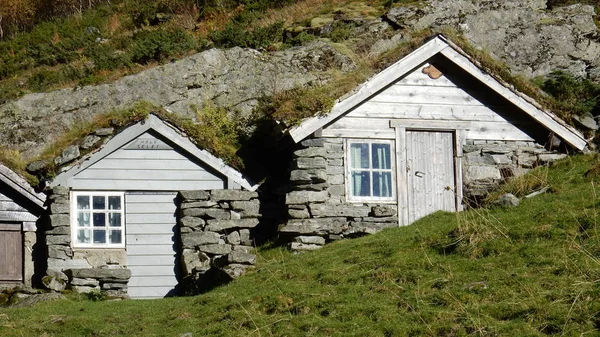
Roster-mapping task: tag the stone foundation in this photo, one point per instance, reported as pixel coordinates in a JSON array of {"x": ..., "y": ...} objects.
[{"x": 216, "y": 236}]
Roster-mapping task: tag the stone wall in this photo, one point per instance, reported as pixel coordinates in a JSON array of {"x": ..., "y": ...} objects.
[
  {"x": 316, "y": 203},
  {"x": 81, "y": 270},
  {"x": 488, "y": 163},
  {"x": 216, "y": 236},
  {"x": 317, "y": 208}
]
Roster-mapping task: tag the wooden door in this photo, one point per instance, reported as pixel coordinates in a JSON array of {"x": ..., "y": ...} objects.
[
  {"x": 430, "y": 173},
  {"x": 11, "y": 253}
]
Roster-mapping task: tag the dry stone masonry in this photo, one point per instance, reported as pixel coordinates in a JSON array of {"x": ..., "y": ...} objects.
[
  {"x": 488, "y": 163},
  {"x": 216, "y": 229},
  {"x": 67, "y": 270},
  {"x": 317, "y": 208}
]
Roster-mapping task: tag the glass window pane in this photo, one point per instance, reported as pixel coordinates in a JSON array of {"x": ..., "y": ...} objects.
[
  {"x": 99, "y": 236},
  {"x": 83, "y": 219},
  {"x": 99, "y": 202},
  {"x": 83, "y": 236},
  {"x": 361, "y": 185},
  {"x": 99, "y": 219},
  {"x": 114, "y": 219},
  {"x": 381, "y": 156},
  {"x": 359, "y": 155},
  {"x": 382, "y": 184},
  {"x": 114, "y": 202},
  {"x": 115, "y": 236},
  {"x": 83, "y": 202}
]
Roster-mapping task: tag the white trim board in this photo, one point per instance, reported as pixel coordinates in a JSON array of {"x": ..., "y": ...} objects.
[
  {"x": 438, "y": 45},
  {"x": 162, "y": 128}
]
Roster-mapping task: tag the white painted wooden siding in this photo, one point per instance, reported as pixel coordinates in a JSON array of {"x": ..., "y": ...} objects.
[
  {"x": 163, "y": 169},
  {"x": 430, "y": 173},
  {"x": 419, "y": 97},
  {"x": 151, "y": 243}
]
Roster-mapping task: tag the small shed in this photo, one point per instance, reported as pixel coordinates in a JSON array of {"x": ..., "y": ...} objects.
[
  {"x": 426, "y": 134},
  {"x": 20, "y": 209},
  {"x": 120, "y": 205}
]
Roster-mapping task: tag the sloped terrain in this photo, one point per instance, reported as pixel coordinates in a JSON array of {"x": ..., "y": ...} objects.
[{"x": 533, "y": 270}]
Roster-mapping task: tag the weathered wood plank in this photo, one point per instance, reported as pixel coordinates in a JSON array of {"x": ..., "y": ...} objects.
[
  {"x": 150, "y": 239},
  {"x": 141, "y": 293},
  {"x": 11, "y": 206},
  {"x": 152, "y": 281},
  {"x": 125, "y": 185},
  {"x": 160, "y": 218},
  {"x": 142, "y": 260},
  {"x": 11, "y": 256},
  {"x": 144, "y": 208},
  {"x": 417, "y": 77},
  {"x": 154, "y": 270},
  {"x": 362, "y": 134},
  {"x": 150, "y": 250},
  {"x": 416, "y": 94},
  {"x": 149, "y": 229},
  {"x": 146, "y": 154},
  {"x": 428, "y": 111},
  {"x": 148, "y": 174},
  {"x": 17, "y": 216}
]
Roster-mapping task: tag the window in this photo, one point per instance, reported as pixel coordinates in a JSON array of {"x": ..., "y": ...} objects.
[
  {"x": 370, "y": 171},
  {"x": 97, "y": 219}
]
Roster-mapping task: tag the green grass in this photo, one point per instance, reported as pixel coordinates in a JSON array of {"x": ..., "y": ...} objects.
[{"x": 533, "y": 270}]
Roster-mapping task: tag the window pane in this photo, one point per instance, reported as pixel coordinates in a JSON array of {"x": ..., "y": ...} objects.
[
  {"x": 83, "y": 219},
  {"x": 114, "y": 202},
  {"x": 99, "y": 219},
  {"x": 359, "y": 155},
  {"x": 382, "y": 184},
  {"x": 361, "y": 185},
  {"x": 115, "y": 236},
  {"x": 99, "y": 202},
  {"x": 83, "y": 202},
  {"x": 381, "y": 156},
  {"x": 99, "y": 236},
  {"x": 83, "y": 236},
  {"x": 114, "y": 219}
]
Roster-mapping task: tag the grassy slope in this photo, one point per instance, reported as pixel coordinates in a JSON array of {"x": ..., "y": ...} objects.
[{"x": 528, "y": 271}]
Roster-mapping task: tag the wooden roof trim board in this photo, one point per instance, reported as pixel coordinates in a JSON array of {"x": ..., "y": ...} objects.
[
  {"x": 20, "y": 185},
  {"x": 441, "y": 45},
  {"x": 161, "y": 127}
]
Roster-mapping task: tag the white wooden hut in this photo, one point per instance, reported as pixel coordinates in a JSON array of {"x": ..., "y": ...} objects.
[
  {"x": 20, "y": 209},
  {"x": 123, "y": 203},
  {"x": 418, "y": 137}
]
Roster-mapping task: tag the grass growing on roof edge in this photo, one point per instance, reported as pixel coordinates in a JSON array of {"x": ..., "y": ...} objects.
[{"x": 533, "y": 270}]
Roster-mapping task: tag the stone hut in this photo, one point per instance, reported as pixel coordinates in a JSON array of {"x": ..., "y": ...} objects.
[
  {"x": 434, "y": 131},
  {"x": 147, "y": 214}
]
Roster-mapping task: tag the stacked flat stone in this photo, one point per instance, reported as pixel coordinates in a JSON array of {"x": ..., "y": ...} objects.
[
  {"x": 110, "y": 281},
  {"x": 488, "y": 163},
  {"x": 58, "y": 232},
  {"x": 317, "y": 207},
  {"x": 216, "y": 233}
]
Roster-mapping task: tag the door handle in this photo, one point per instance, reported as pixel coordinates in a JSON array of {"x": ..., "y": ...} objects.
[{"x": 420, "y": 174}]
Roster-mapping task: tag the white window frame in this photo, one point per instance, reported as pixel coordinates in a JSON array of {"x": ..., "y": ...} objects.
[
  {"x": 74, "y": 214},
  {"x": 348, "y": 170}
]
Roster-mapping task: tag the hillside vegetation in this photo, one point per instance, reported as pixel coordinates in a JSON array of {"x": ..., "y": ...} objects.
[{"x": 533, "y": 270}]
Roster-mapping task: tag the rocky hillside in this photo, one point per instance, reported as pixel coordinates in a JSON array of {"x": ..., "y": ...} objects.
[{"x": 531, "y": 37}]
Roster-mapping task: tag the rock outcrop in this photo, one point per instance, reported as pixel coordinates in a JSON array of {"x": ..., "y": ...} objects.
[{"x": 529, "y": 37}]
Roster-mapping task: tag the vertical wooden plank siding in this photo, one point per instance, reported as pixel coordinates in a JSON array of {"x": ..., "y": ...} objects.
[
  {"x": 430, "y": 173},
  {"x": 151, "y": 244},
  {"x": 10, "y": 210},
  {"x": 11, "y": 253},
  {"x": 459, "y": 141}
]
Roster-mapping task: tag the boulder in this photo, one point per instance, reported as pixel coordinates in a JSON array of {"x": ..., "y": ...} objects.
[
  {"x": 507, "y": 200},
  {"x": 68, "y": 154},
  {"x": 232, "y": 195},
  {"x": 302, "y": 197},
  {"x": 190, "y": 240},
  {"x": 221, "y": 225}
]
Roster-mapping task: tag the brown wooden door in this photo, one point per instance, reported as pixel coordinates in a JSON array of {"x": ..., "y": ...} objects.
[{"x": 11, "y": 253}]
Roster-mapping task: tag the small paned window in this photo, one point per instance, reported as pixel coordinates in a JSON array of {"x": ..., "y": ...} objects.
[
  {"x": 98, "y": 219},
  {"x": 370, "y": 173}
]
